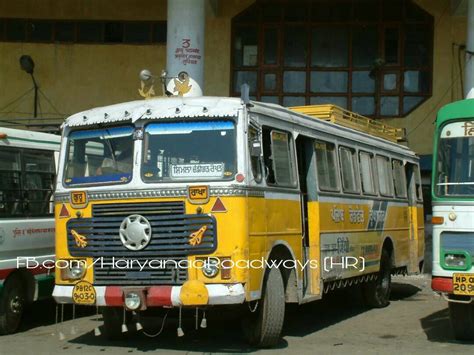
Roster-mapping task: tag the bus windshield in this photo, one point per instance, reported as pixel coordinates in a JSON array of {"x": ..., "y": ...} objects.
[
  {"x": 455, "y": 160},
  {"x": 185, "y": 151},
  {"x": 99, "y": 156}
]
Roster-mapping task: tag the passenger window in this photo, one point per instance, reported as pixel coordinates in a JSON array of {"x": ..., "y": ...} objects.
[
  {"x": 278, "y": 157},
  {"x": 385, "y": 176},
  {"x": 38, "y": 182},
  {"x": 326, "y": 166},
  {"x": 11, "y": 204},
  {"x": 254, "y": 160},
  {"x": 366, "y": 173},
  {"x": 419, "y": 189},
  {"x": 399, "y": 178},
  {"x": 350, "y": 182}
]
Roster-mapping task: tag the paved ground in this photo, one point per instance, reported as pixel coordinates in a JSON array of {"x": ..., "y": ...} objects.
[{"x": 415, "y": 322}]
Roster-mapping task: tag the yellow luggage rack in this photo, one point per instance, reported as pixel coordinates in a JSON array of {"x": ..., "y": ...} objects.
[{"x": 353, "y": 120}]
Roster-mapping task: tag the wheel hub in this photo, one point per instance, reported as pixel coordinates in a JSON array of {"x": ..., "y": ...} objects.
[{"x": 16, "y": 305}]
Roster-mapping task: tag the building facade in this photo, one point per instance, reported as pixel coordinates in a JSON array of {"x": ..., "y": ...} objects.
[{"x": 394, "y": 60}]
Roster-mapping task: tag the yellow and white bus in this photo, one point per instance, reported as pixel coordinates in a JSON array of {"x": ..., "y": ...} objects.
[{"x": 202, "y": 202}]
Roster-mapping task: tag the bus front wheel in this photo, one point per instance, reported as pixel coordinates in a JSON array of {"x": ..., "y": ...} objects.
[
  {"x": 263, "y": 327},
  {"x": 12, "y": 305},
  {"x": 462, "y": 320},
  {"x": 377, "y": 292}
]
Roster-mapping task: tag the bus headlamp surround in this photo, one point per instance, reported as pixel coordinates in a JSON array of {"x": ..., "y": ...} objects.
[{"x": 210, "y": 267}]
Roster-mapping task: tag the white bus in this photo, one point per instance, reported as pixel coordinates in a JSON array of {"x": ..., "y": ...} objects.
[{"x": 27, "y": 174}]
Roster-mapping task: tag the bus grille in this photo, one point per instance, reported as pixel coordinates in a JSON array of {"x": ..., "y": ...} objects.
[
  {"x": 171, "y": 230},
  {"x": 162, "y": 271}
]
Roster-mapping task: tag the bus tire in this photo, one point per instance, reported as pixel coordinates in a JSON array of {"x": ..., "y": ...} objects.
[
  {"x": 461, "y": 316},
  {"x": 113, "y": 320},
  {"x": 264, "y": 329},
  {"x": 12, "y": 305},
  {"x": 377, "y": 292}
]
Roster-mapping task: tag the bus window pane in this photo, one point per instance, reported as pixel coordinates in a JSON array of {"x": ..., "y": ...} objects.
[
  {"x": 385, "y": 176},
  {"x": 326, "y": 166},
  {"x": 349, "y": 179},
  {"x": 399, "y": 178},
  {"x": 281, "y": 155},
  {"x": 455, "y": 160},
  {"x": 366, "y": 173},
  {"x": 10, "y": 186},
  {"x": 254, "y": 160}
]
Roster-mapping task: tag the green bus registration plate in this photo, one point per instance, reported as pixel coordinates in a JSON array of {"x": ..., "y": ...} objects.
[{"x": 463, "y": 284}]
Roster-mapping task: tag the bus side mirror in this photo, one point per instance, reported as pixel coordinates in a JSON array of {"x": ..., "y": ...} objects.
[{"x": 256, "y": 149}]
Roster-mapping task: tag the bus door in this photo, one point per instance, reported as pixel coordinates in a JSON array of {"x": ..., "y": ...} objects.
[
  {"x": 310, "y": 215},
  {"x": 411, "y": 171}
]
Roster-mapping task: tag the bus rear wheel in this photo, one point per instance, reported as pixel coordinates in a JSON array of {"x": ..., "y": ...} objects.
[
  {"x": 12, "y": 305},
  {"x": 462, "y": 320},
  {"x": 263, "y": 328},
  {"x": 377, "y": 292}
]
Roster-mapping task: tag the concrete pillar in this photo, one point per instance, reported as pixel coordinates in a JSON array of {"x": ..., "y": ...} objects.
[
  {"x": 185, "y": 39},
  {"x": 469, "y": 70}
]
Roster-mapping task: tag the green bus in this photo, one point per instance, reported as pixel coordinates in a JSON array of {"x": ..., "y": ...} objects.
[{"x": 453, "y": 213}]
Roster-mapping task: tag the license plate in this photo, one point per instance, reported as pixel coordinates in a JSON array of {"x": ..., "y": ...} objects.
[
  {"x": 83, "y": 293},
  {"x": 463, "y": 284}
]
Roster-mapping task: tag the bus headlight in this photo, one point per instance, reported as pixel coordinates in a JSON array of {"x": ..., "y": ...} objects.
[
  {"x": 456, "y": 260},
  {"x": 132, "y": 301},
  {"x": 210, "y": 267},
  {"x": 74, "y": 270}
]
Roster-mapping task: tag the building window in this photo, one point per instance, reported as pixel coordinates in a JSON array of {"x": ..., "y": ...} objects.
[
  {"x": 98, "y": 32},
  {"x": 373, "y": 57}
]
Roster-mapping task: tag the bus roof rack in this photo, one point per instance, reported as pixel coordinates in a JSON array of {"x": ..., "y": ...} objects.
[{"x": 353, "y": 120}]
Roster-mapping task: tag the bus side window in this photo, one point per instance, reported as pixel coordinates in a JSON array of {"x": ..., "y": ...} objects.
[
  {"x": 255, "y": 161},
  {"x": 10, "y": 184},
  {"x": 347, "y": 158},
  {"x": 326, "y": 166},
  {"x": 38, "y": 181},
  {"x": 384, "y": 176},
  {"x": 367, "y": 173},
  {"x": 399, "y": 178},
  {"x": 279, "y": 158},
  {"x": 419, "y": 187}
]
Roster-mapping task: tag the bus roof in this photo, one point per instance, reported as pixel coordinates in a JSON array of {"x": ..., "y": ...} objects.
[
  {"x": 208, "y": 107},
  {"x": 456, "y": 110},
  {"x": 29, "y": 139}
]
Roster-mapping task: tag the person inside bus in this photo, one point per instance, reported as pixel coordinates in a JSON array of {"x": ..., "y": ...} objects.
[{"x": 120, "y": 163}]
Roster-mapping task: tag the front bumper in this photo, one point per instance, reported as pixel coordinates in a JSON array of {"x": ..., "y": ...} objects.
[{"x": 158, "y": 296}]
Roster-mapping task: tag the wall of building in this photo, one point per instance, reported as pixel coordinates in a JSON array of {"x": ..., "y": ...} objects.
[{"x": 76, "y": 77}]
